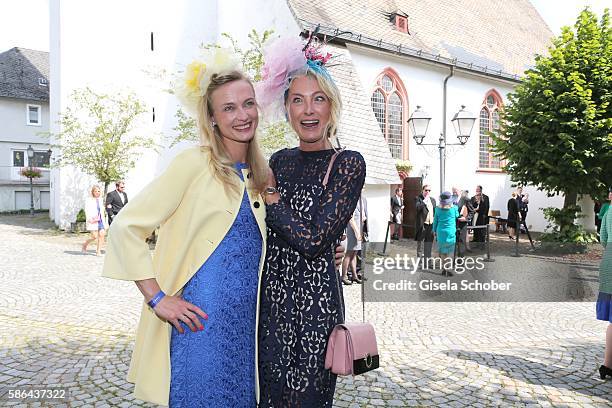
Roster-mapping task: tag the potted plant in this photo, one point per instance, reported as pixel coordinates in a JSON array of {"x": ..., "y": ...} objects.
[
  {"x": 403, "y": 168},
  {"x": 31, "y": 172},
  {"x": 80, "y": 224}
]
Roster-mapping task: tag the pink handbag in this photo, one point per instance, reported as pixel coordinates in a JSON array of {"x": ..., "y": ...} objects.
[{"x": 352, "y": 348}]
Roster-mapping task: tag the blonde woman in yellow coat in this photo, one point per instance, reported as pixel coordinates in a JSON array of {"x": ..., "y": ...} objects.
[{"x": 209, "y": 206}]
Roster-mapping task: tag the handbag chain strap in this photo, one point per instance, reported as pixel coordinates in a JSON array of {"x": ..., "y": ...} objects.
[
  {"x": 329, "y": 167},
  {"x": 362, "y": 260},
  {"x": 340, "y": 297}
]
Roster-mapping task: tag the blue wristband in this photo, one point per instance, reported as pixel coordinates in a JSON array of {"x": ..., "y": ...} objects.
[{"x": 156, "y": 299}]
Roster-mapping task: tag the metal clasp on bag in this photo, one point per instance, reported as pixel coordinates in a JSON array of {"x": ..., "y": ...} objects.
[{"x": 368, "y": 365}]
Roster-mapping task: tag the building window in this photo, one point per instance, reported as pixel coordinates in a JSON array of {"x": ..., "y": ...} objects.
[
  {"x": 396, "y": 126},
  {"x": 33, "y": 114},
  {"x": 389, "y": 105},
  {"x": 489, "y": 122},
  {"x": 40, "y": 159},
  {"x": 18, "y": 158},
  {"x": 401, "y": 23},
  {"x": 43, "y": 82},
  {"x": 378, "y": 105}
]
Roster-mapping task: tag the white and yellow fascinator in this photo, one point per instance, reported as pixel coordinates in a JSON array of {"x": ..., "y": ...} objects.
[{"x": 191, "y": 84}]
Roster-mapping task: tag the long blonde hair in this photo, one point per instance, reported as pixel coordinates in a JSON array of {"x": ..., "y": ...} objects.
[
  {"x": 330, "y": 89},
  {"x": 223, "y": 166}
]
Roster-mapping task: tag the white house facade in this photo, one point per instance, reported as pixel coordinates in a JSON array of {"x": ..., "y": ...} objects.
[
  {"x": 24, "y": 115},
  {"x": 391, "y": 57}
]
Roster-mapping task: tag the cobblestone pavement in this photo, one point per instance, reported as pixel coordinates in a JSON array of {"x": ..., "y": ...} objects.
[{"x": 61, "y": 324}]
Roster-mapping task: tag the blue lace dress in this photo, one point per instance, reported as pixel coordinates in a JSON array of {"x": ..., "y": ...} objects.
[
  {"x": 300, "y": 297},
  {"x": 216, "y": 367}
]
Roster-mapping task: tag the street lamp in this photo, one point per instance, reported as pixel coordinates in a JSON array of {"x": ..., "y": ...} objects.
[
  {"x": 30, "y": 152},
  {"x": 463, "y": 122},
  {"x": 419, "y": 122}
]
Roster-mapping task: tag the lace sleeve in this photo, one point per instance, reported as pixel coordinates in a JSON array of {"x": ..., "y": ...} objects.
[{"x": 336, "y": 206}]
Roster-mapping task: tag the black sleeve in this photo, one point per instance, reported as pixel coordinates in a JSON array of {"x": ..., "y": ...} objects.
[
  {"x": 109, "y": 203},
  {"x": 484, "y": 211},
  {"x": 420, "y": 204}
]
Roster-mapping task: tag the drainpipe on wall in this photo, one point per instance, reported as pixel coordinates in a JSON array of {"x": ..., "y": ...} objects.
[{"x": 442, "y": 144}]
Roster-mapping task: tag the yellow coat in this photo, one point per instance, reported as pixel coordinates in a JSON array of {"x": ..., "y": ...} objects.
[{"x": 195, "y": 213}]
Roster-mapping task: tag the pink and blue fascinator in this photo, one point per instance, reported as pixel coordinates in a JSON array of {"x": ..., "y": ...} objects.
[{"x": 284, "y": 59}]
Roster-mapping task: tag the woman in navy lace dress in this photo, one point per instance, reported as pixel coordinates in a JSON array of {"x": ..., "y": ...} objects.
[{"x": 301, "y": 298}]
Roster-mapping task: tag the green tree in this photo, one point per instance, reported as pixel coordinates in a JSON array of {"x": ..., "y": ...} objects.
[
  {"x": 556, "y": 130},
  {"x": 96, "y": 135},
  {"x": 275, "y": 135},
  {"x": 252, "y": 57}
]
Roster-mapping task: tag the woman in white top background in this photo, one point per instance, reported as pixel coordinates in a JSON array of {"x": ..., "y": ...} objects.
[{"x": 96, "y": 224}]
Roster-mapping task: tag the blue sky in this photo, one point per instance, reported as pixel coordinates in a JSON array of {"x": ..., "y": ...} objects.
[{"x": 29, "y": 24}]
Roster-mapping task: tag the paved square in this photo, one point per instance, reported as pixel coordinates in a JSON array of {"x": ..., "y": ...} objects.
[{"x": 61, "y": 324}]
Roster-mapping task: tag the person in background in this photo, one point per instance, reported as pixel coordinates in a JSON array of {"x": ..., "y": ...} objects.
[
  {"x": 596, "y": 209},
  {"x": 514, "y": 215},
  {"x": 604, "y": 207},
  {"x": 463, "y": 206},
  {"x": 96, "y": 223},
  {"x": 425, "y": 211},
  {"x": 456, "y": 195},
  {"x": 480, "y": 202},
  {"x": 115, "y": 200},
  {"x": 523, "y": 204},
  {"x": 445, "y": 229},
  {"x": 354, "y": 238},
  {"x": 397, "y": 206},
  {"x": 604, "y": 300}
]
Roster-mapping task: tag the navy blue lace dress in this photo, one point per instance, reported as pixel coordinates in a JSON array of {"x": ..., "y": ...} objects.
[
  {"x": 301, "y": 299},
  {"x": 216, "y": 367}
]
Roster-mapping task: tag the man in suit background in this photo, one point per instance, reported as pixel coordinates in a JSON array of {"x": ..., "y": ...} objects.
[
  {"x": 397, "y": 205},
  {"x": 523, "y": 204},
  {"x": 480, "y": 202},
  {"x": 115, "y": 200},
  {"x": 425, "y": 208}
]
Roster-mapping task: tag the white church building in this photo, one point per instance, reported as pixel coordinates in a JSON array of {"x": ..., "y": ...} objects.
[{"x": 391, "y": 56}]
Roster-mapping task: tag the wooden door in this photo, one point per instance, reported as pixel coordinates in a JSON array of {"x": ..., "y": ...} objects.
[{"x": 412, "y": 188}]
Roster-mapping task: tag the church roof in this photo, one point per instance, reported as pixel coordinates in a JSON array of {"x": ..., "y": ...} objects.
[{"x": 495, "y": 37}]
